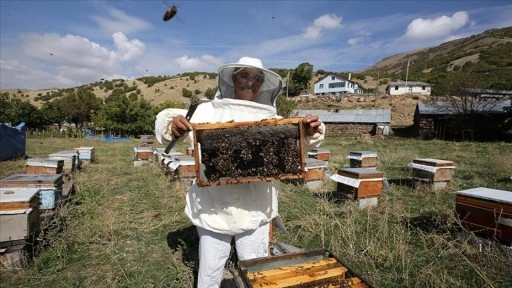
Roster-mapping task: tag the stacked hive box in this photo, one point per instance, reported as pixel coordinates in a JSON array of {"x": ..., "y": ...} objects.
[
  {"x": 50, "y": 186},
  {"x": 142, "y": 154},
  {"x": 86, "y": 154},
  {"x": 315, "y": 268},
  {"x": 19, "y": 214},
  {"x": 363, "y": 159},
  {"x": 320, "y": 154},
  {"x": 314, "y": 172},
  {"x": 71, "y": 160},
  {"x": 435, "y": 172},
  {"x": 486, "y": 211},
  {"x": 181, "y": 167},
  {"x": 361, "y": 184},
  {"x": 44, "y": 166}
]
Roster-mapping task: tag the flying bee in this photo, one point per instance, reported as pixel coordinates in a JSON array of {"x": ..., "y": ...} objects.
[{"x": 170, "y": 12}]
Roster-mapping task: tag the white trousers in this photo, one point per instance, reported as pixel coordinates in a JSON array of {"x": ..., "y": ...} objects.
[{"x": 214, "y": 251}]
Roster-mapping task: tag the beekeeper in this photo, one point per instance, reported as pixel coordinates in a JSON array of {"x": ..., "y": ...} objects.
[{"x": 246, "y": 92}]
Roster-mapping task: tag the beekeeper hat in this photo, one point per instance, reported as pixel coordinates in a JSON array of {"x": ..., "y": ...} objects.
[{"x": 271, "y": 87}]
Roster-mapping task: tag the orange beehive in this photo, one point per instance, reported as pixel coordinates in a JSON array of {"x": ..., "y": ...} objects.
[
  {"x": 359, "y": 183},
  {"x": 486, "y": 211}
]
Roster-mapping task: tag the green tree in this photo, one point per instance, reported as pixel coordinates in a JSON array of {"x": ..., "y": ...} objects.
[
  {"x": 285, "y": 106},
  {"x": 300, "y": 78}
]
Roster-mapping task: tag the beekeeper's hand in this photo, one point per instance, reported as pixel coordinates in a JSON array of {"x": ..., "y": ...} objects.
[
  {"x": 312, "y": 124},
  {"x": 179, "y": 126}
]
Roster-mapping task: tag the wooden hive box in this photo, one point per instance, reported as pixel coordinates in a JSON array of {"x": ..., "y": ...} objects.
[
  {"x": 86, "y": 154},
  {"x": 486, "y": 211},
  {"x": 315, "y": 268},
  {"x": 431, "y": 170},
  {"x": 272, "y": 149},
  {"x": 71, "y": 159},
  {"x": 314, "y": 169},
  {"x": 50, "y": 186},
  {"x": 19, "y": 214},
  {"x": 357, "y": 183},
  {"x": 363, "y": 159},
  {"x": 44, "y": 166},
  {"x": 320, "y": 153},
  {"x": 143, "y": 152},
  {"x": 182, "y": 167},
  {"x": 146, "y": 140}
]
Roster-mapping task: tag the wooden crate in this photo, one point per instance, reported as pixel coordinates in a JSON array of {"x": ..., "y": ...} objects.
[
  {"x": 315, "y": 268},
  {"x": 431, "y": 170},
  {"x": 49, "y": 184},
  {"x": 86, "y": 154},
  {"x": 44, "y": 166},
  {"x": 486, "y": 211},
  {"x": 314, "y": 169},
  {"x": 270, "y": 150},
  {"x": 19, "y": 213},
  {"x": 143, "y": 152},
  {"x": 320, "y": 154},
  {"x": 71, "y": 159},
  {"x": 359, "y": 183},
  {"x": 363, "y": 159}
]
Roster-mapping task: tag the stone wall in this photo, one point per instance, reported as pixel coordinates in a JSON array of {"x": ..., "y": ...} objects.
[{"x": 349, "y": 128}]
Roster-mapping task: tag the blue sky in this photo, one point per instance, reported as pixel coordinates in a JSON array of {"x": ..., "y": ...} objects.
[{"x": 59, "y": 44}]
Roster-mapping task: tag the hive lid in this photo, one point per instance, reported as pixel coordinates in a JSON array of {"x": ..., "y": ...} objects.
[
  {"x": 31, "y": 178},
  {"x": 360, "y": 173},
  {"x": 488, "y": 194},
  {"x": 14, "y": 198},
  {"x": 46, "y": 162},
  {"x": 433, "y": 162}
]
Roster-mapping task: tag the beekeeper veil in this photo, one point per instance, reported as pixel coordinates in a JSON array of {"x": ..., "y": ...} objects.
[{"x": 271, "y": 87}]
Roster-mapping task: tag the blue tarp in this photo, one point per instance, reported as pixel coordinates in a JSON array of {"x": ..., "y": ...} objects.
[{"x": 12, "y": 141}]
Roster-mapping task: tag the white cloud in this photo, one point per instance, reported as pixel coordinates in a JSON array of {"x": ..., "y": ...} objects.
[
  {"x": 355, "y": 41},
  {"x": 120, "y": 21},
  {"x": 202, "y": 63},
  {"x": 127, "y": 50},
  {"x": 422, "y": 29},
  {"x": 324, "y": 22},
  {"x": 65, "y": 61}
]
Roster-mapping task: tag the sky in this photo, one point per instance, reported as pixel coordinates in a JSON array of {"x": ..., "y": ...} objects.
[{"x": 62, "y": 44}]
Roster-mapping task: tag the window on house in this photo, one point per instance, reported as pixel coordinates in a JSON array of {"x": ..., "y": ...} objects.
[
  {"x": 333, "y": 77},
  {"x": 396, "y": 87},
  {"x": 423, "y": 87},
  {"x": 321, "y": 86},
  {"x": 337, "y": 85}
]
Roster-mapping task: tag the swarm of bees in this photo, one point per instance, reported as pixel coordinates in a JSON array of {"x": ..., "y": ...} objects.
[{"x": 170, "y": 12}]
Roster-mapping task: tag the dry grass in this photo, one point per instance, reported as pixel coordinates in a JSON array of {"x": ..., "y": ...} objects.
[{"x": 125, "y": 226}]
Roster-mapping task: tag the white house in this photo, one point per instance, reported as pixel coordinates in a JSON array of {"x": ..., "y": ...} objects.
[
  {"x": 334, "y": 85},
  {"x": 410, "y": 87}
]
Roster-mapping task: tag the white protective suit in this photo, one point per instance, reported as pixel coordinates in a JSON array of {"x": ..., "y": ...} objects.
[{"x": 233, "y": 208}]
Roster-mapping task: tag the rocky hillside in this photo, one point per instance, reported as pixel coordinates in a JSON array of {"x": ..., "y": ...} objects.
[{"x": 488, "y": 53}]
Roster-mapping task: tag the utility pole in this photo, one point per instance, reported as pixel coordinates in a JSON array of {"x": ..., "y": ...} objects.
[{"x": 407, "y": 76}]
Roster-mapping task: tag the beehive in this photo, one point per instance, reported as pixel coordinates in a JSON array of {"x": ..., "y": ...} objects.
[
  {"x": 44, "y": 166},
  {"x": 314, "y": 169},
  {"x": 357, "y": 183},
  {"x": 71, "y": 159},
  {"x": 271, "y": 149},
  {"x": 486, "y": 211},
  {"x": 320, "y": 153},
  {"x": 182, "y": 167},
  {"x": 86, "y": 154},
  {"x": 363, "y": 159},
  {"x": 142, "y": 152},
  {"x": 315, "y": 268},
  {"x": 433, "y": 171},
  {"x": 50, "y": 186},
  {"x": 19, "y": 213}
]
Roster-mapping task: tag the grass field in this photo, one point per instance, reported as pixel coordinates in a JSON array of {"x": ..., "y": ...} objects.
[{"x": 125, "y": 226}]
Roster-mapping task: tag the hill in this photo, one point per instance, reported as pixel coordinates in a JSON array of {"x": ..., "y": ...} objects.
[{"x": 488, "y": 53}]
